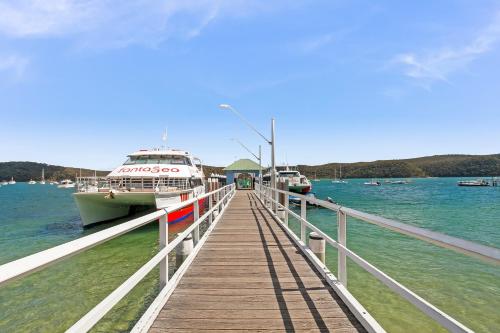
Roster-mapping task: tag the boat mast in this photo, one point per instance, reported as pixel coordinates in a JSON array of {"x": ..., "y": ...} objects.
[{"x": 164, "y": 138}]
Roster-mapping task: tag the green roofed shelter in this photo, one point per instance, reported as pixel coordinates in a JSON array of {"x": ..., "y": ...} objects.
[{"x": 244, "y": 171}]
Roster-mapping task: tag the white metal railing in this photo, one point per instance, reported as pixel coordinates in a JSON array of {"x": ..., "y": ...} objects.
[
  {"x": 132, "y": 184},
  {"x": 269, "y": 197},
  {"x": 217, "y": 203}
]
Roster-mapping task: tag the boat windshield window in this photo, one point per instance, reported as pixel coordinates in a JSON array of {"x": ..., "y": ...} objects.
[
  {"x": 158, "y": 159},
  {"x": 289, "y": 174}
]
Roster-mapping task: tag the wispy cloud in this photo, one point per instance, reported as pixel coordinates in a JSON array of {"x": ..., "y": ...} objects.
[
  {"x": 438, "y": 65},
  {"x": 116, "y": 23},
  {"x": 317, "y": 42},
  {"x": 13, "y": 65}
]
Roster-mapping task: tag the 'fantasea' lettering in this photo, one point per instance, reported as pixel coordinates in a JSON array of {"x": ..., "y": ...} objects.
[{"x": 155, "y": 169}]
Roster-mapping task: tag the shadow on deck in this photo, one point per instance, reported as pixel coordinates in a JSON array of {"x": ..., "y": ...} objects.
[{"x": 250, "y": 276}]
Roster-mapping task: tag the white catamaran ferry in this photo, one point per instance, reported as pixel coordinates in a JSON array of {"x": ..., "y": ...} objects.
[{"x": 148, "y": 179}]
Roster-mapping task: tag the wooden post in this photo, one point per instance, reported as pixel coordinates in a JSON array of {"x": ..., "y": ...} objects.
[
  {"x": 196, "y": 216},
  {"x": 317, "y": 244},
  {"x": 183, "y": 250},
  {"x": 342, "y": 239},
  {"x": 303, "y": 215},
  {"x": 281, "y": 197},
  {"x": 163, "y": 243},
  {"x": 276, "y": 198},
  {"x": 211, "y": 215}
]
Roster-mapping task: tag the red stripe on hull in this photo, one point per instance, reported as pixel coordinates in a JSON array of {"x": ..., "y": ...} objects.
[{"x": 184, "y": 212}]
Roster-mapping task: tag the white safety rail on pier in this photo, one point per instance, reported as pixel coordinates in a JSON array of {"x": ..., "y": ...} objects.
[
  {"x": 217, "y": 203},
  {"x": 271, "y": 199}
]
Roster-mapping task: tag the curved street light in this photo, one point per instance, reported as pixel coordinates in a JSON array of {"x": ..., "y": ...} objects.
[{"x": 270, "y": 142}]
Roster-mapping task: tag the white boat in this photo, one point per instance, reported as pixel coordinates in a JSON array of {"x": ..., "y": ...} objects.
[
  {"x": 478, "y": 182},
  {"x": 66, "y": 183},
  {"x": 315, "y": 179},
  {"x": 397, "y": 182},
  {"x": 43, "y": 177},
  {"x": 54, "y": 182},
  {"x": 148, "y": 179},
  {"x": 372, "y": 183},
  {"x": 339, "y": 180},
  {"x": 297, "y": 182},
  {"x": 12, "y": 181},
  {"x": 32, "y": 182},
  {"x": 4, "y": 182}
]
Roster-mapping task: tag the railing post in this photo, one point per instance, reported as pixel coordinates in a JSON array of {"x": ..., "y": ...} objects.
[
  {"x": 163, "y": 243},
  {"x": 217, "y": 198},
  {"x": 196, "y": 216},
  {"x": 303, "y": 215},
  {"x": 276, "y": 197},
  {"x": 342, "y": 239},
  {"x": 211, "y": 215},
  {"x": 287, "y": 207},
  {"x": 287, "y": 202}
]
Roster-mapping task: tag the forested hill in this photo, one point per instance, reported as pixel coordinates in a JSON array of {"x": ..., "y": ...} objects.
[
  {"x": 24, "y": 171},
  {"x": 430, "y": 166}
]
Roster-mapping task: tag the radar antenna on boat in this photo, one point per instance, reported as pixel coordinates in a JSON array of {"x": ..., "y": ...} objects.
[{"x": 164, "y": 138}]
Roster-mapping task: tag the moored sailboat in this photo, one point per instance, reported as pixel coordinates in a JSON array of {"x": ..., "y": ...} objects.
[{"x": 42, "y": 181}]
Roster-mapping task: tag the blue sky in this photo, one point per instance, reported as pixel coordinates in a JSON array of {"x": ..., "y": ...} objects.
[{"x": 83, "y": 83}]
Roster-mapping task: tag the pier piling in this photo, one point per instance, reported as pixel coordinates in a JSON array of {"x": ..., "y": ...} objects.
[{"x": 317, "y": 244}]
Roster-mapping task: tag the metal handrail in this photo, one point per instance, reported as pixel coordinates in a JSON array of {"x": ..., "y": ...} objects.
[
  {"x": 37, "y": 261},
  {"x": 445, "y": 241},
  {"x": 485, "y": 252}
]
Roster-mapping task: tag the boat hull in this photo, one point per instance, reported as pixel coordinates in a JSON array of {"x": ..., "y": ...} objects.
[
  {"x": 101, "y": 207},
  {"x": 299, "y": 188}
]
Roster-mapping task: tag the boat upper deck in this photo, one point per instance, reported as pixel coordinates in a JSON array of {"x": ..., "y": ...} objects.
[{"x": 251, "y": 276}]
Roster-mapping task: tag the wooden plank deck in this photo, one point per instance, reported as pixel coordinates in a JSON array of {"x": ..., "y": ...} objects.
[{"x": 250, "y": 276}]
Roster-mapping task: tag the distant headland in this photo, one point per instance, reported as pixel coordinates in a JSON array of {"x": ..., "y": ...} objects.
[{"x": 428, "y": 166}]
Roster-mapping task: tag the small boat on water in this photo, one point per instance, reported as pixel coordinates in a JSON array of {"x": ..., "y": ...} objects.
[
  {"x": 4, "y": 182},
  {"x": 478, "y": 182},
  {"x": 315, "y": 179},
  {"x": 66, "y": 183},
  {"x": 397, "y": 182},
  {"x": 12, "y": 181},
  {"x": 372, "y": 183},
  {"x": 149, "y": 179},
  {"x": 296, "y": 201},
  {"x": 42, "y": 181},
  {"x": 330, "y": 200},
  {"x": 339, "y": 180},
  {"x": 32, "y": 182},
  {"x": 54, "y": 182}
]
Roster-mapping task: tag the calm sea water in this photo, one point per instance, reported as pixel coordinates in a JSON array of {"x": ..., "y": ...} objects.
[{"x": 35, "y": 217}]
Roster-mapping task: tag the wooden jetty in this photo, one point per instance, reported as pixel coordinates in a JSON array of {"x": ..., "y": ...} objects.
[
  {"x": 248, "y": 271},
  {"x": 250, "y": 275}
]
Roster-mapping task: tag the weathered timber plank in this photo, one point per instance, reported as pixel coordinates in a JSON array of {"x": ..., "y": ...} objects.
[
  {"x": 232, "y": 323},
  {"x": 251, "y": 277}
]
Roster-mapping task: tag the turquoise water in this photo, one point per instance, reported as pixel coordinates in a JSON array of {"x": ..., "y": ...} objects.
[
  {"x": 35, "y": 217},
  {"x": 466, "y": 288}
]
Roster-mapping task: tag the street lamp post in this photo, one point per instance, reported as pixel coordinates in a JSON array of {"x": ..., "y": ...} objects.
[{"x": 270, "y": 142}]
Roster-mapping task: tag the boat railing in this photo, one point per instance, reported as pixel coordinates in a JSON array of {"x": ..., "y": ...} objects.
[
  {"x": 133, "y": 184},
  {"x": 280, "y": 206},
  {"x": 35, "y": 262}
]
